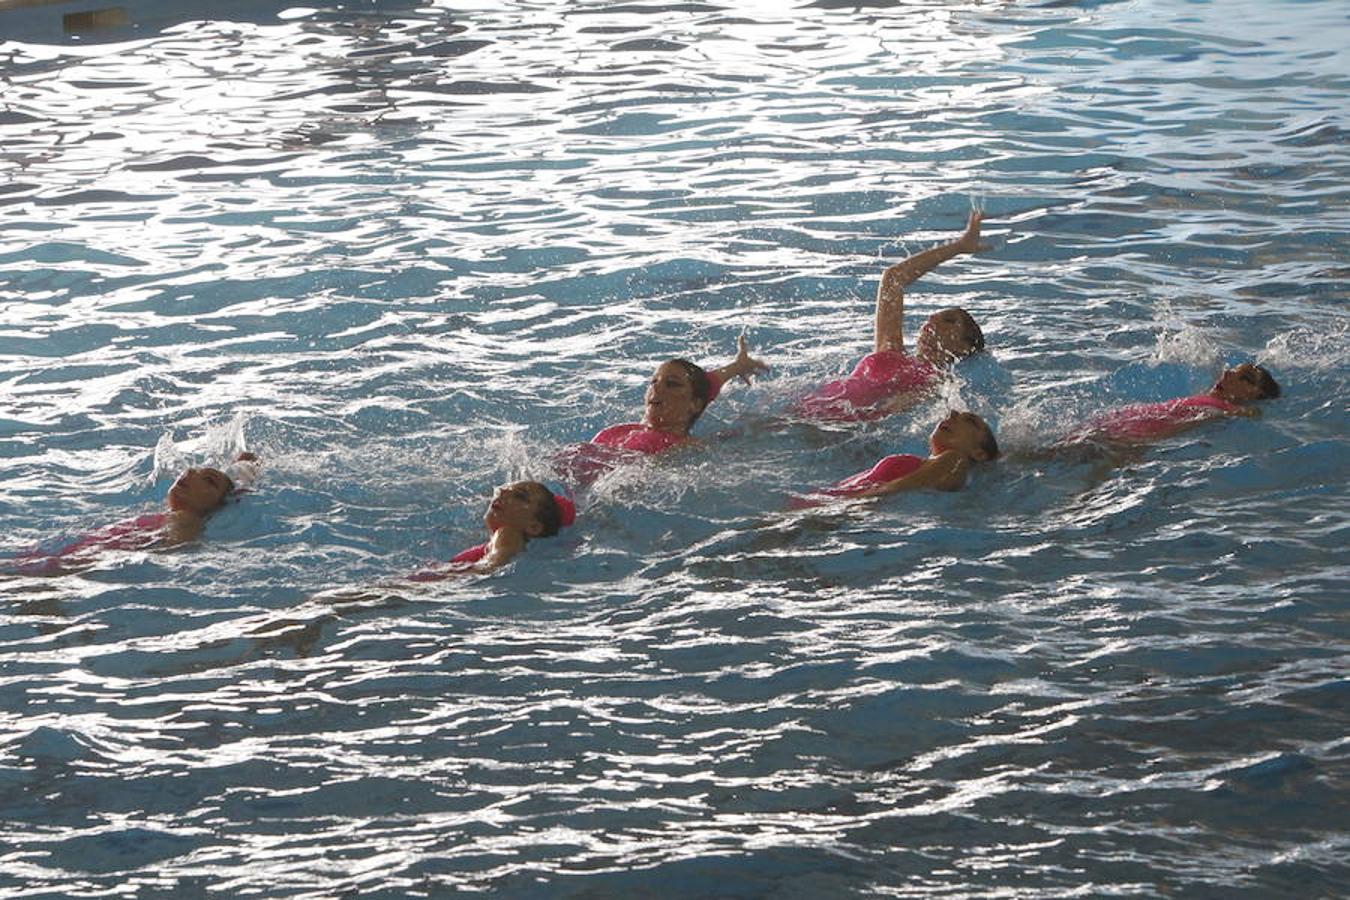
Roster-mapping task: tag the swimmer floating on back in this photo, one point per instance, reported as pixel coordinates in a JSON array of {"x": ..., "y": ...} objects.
[
  {"x": 958, "y": 442},
  {"x": 516, "y": 513},
  {"x": 192, "y": 498},
  {"x": 676, "y": 396},
  {"x": 888, "y": 380},
  {"x": 1142, "y": 423}
]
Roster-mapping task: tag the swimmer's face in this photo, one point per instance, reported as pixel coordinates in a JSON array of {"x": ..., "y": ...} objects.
[
  {"x": 965, "y": 433},
  {"x": 199, "y": 491},
  {"x": 516, "y": 506},
  {"x": 670, "y": 400},
  {"x": 949, "y": 334},
  {"x": 1240, "y": 384}
]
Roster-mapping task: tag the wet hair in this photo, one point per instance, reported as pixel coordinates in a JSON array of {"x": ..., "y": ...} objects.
[
  {"x": 1269, "y": 387},
  {"x": 546, "y": 510},
  {"x": 698, "y": 382},
  {"x": 970, "y": 331},
  {"x": 989, "y": 444}
]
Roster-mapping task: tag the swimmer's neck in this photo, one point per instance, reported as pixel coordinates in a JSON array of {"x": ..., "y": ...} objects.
[
  {"x": 183, "y": 525},
  {"x": 674, "y": 429},
  {"x": 509, "y": 533}
]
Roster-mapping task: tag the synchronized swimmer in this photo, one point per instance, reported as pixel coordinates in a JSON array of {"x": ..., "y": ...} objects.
[
  {"x": 193, "y": 497},
  {"x": 516, "y": 513},
  {"x": 959, "y": 441},
  {"x": 677, "y": 394},
  {"x": 886, "y": 381},
  {"x": 1142, "y": 423}
]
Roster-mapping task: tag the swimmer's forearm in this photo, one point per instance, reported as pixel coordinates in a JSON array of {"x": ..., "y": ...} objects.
[
  {"x": 737, "y": 369},
  {"x": 907, "y": 271},
  {"x": 946, "y": 472},
  {"x": 244, "y": 471},
  {"x": 743, "y": 366},
  {"x": 899, "y": 276},
  {"x": 890, "y": 312}
]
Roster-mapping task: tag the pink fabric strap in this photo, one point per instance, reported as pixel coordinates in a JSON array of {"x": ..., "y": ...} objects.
[
  {"x": 715, "y": 385},
  {"x": 567, "y": 510}
]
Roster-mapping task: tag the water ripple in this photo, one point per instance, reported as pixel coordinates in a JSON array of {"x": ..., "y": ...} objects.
[{"x": 407, "y": 253}]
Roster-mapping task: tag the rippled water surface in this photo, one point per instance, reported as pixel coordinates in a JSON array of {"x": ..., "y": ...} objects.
[{"x": 406, "y": 253}]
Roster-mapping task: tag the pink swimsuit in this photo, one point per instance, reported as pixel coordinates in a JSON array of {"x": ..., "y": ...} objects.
[
  {"x": 461, "y": 560},
  {"x": 586, "y": 462},
  {"x": 638, "y": 438},
  {"x": 1141, "y": 422},
  {"x": 132, "y": 534},
  {"x": 862, "y": 396},
  {"x": 888, "y": 469}
]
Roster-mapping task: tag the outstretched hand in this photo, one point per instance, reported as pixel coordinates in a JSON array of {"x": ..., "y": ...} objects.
[
  {"x": 969, "y": 241},
  {"x": 745, "y": 365}
]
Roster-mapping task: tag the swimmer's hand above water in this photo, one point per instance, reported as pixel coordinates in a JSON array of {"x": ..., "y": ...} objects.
[{"x": 744, "y": 365}]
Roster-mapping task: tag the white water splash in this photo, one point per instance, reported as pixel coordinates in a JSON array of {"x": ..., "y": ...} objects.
[
  {"x": 1025, "y": 426},
  {"x": 1305, "y": 348},
  {"x": 1182, "y": 342},
  {"x": 169, "y": 460}
]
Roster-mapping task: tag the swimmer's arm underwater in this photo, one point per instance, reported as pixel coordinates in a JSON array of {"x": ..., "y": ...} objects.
[
  {"x": 888, "y": 332},
  {"x": 945, "y": 472}
]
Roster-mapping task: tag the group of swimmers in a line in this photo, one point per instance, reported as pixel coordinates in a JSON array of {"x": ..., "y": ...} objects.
[{"x": 886, "y": 381}]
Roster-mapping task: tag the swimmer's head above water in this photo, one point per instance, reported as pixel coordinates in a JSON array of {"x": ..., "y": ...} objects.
[
  {"x": 677, "y": 394},
  {"x": 1245, "y": 383},
  {"x": 529, "y": 508},
  {"x": 200, "y": 491},
  {"x": 680, "y": 390},
  {"x": 948, "y": 335},
  {"x": 966, "y": 433}
]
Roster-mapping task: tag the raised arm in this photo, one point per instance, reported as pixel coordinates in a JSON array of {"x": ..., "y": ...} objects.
[
  {"x": 945, "y": 472},
  {"x": 890, "y": 318},
  {"x": 743, "y": 366}
]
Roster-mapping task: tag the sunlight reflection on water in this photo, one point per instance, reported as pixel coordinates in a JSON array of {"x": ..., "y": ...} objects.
[{"x": 409, "y": 252}]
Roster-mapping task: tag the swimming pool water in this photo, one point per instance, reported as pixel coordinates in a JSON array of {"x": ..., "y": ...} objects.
[{"x": 407, "y": 252}]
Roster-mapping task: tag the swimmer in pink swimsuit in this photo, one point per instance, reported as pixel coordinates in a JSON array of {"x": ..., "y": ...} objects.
[
  {"x": 194, "y": 496},
  {"x": 676, "y": 396},
  {"x": 1143, "y": 423},
  {"x": 888, "y": 380},
  {"x": 517, "y": 513},
  {"x": 959, "y": 441}
]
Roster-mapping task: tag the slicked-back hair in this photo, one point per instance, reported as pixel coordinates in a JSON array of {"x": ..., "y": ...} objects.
[
  {"x": 699, "y": 384},
  {"x": 546, "y": 510},
  {"x": 1269, "y": 387}
]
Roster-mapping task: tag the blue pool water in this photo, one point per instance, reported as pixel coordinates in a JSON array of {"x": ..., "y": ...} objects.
[{"x": 407, "y": 252}]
